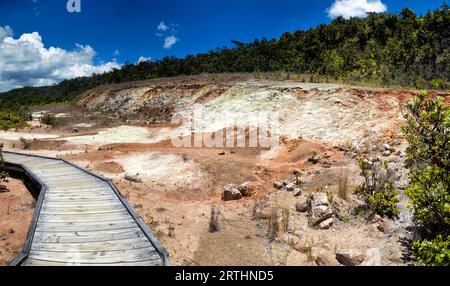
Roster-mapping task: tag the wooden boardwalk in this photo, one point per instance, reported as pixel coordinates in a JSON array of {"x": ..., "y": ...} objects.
[{"x": 81, "y": 219}]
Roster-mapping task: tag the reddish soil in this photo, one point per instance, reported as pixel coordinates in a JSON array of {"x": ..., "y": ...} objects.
[{"x": 16, "y": 211}]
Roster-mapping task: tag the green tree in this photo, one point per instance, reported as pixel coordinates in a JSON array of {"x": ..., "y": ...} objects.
[{"x": 428, "y": 133}]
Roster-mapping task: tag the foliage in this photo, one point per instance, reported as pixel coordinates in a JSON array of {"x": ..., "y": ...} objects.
[
  {"x": 3, "y": 175},
  {"x": 433, "y": 253},
  {"x": 9, "y": 120},
  {"x": 386, "y": 49},
  {"x": 48, "y": 120},
  {"x": 427, "y": 131},
  {"x": 378, "y": 189},
  {"x": 26, "y": 144}
]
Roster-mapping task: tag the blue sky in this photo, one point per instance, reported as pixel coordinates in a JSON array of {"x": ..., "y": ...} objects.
[{"x": 119, "y": 31}]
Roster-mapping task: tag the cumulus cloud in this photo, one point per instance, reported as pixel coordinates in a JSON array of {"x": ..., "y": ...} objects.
[
  {"x": 169, "y": 42},
  {"x": 162, "y": 27},
  {"x": 168, "y": 31},
  {"x": 27, "y": 62},
  {"x": 5, "y": 32},
  {"x": 355, "y": 8},
  {"x": 143, "y": 59}
]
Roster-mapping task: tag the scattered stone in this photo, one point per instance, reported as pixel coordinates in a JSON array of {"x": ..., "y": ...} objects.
[
  {"x": 340, "y": 208},
  {"x": 75, "y": 130},
  {"x": 319, "y": 214},
  {"x": 231, "y": 193},
  {"x": 327, "y": 224},
  {"x": 246, "y": 190},
  {"x": 350, "y": 258},
  {"x": 286, "y": 182},
  {"x": 297, "y": 192},
  {"x": 222, "y": 153},
  {"x": 314, "y": 159},
  {"x": 277, "y": 185},
  {"x": 373, "y": 257},
  {"x": 318, "y": 199},
  {"x": 290, "y": 187},
  {"x": 302, "y": 207},
  {"x": 134, "y": 179},
  {"x": 387, "y": 153},
  {"x": 387, "y": 147},
  {"x": 326, "y": 259}
]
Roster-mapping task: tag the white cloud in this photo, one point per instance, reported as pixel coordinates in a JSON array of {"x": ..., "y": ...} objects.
[
  {"x": 143, "y": 59},
  {"x": 116, "y": 53},
  {"x": 169, "y": 42},
  {"x": 5, "y": 32},
  {"x": 163, "y": 27},
  {"x": 168, "y": 32},
  {"x": 355, "y": 8},
  {"x": 27, "y": 62}
]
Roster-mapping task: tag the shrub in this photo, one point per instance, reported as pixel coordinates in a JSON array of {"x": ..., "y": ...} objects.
[
  {"x": 378, "y": 189},
  {"x": 9, "y": 120},
  {"x": 432, "y": 253},
  {"x": 3, "y": 175},
  {"x": 427, "y": 132},
  {"x": 26, "y": 145}
]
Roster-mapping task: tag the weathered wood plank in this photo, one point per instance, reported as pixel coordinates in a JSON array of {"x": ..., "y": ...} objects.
[
  {"x": 83, "y": 218},
  {"x": 124, "y": 256},
  {"x": 99, "y": 237},
  {"x": 125, "y": 244},
  {"x": 36, "y": 262},
  {"x": 82, "y": 210},
  {"x": 84, "y": 226}
]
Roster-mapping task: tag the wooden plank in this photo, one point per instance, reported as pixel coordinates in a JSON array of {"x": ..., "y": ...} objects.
[
  {"x": 82, "y": 209},
  {"x": 37, "y": 262},
  {"x": 105, "y": 237},
  {"x": 92, "y": 196},
  {"x": 125, "y": 256},
  {"x": 72, "y": 179},
  {"x": 83, "y": 226},
  {"x": 119, "y": 245},
  {"x": 79, "y": 191},
  {"x": 81, "y": 205},
  {"x": 79, "y": 201},
  {"x": 76, "y": 186},
  {"x": 83, "y": 218},
  {"x": 93, "y": 233}
]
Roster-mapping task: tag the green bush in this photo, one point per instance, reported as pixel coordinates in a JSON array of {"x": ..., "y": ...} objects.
[
  {"x": 433, "y": 253},
  {"x": 26, "y": 145},
  {"x": 427, "y": 131},
  {"x": 378, "y": 189},
  {"x": 9, "y": 120},
  {"x": 3, "y": 175}
]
